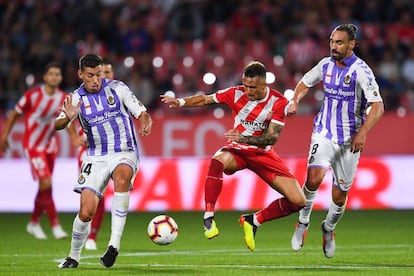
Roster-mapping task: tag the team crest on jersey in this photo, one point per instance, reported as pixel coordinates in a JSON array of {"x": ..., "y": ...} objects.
[
  {"x": 111, "y": 100},
  {"x": 81, "y": 179},
  {"x": 347, "y": 80}
]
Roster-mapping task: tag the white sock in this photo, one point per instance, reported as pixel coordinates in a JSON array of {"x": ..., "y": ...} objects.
[
  {"x": 335, "y": 213},
  {"x": 119, "y": 211},
  {"x": 80, "y": 232},
  {"x": 208, "y": 214},
  {"x": 305, "y": 212}
]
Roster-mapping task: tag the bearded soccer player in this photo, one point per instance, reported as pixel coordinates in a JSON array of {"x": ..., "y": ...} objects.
[
  {"x": 40, "y": 107},
  {"x": 340, "y": 129},
  {"x": 259, "y": 114}
]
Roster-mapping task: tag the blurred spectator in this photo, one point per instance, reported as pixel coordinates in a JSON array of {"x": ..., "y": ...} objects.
[
  {"x": 35, "y": 32},
  {"x": 143, "y": 88},
  {"x": 186, "y": 22},
  {"x": 408, "y": 69}
]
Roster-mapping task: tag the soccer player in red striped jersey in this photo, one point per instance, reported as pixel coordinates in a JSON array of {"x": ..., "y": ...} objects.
[
  {"x": 259, "y": 114},
  {"x": 40, "y": 107}
]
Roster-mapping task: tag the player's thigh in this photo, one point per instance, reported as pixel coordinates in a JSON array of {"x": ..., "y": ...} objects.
[
  {"x": 230, "y": 160},
  {"x": 94, "y": 175},
  {"x": 123, "y": 167},
  {"x": 345, "y": 167},
  {"x": 322, "y": 154}
]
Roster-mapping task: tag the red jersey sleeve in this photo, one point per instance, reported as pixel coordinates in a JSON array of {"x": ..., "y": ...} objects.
[{"x": 279, "y": 110}]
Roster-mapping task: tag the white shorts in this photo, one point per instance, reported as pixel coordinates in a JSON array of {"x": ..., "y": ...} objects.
[
  {"x": 324, "y": 153},
  {"x": 96, "y": 170}
]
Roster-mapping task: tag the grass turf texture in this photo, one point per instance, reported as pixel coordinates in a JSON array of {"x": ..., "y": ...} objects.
[{"x": 368, "y": 243}]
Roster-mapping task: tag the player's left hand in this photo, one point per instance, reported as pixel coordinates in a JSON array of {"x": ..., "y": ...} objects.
[
  {"x": 146, "y": 124},
  {"x": 358, "y": 142}
]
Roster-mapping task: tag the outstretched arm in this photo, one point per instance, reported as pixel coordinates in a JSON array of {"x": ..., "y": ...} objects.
[
  {"x": 192, "y": 101},
  {"x": 269, "y": 136},
  {"x": 300, "y": 91}
]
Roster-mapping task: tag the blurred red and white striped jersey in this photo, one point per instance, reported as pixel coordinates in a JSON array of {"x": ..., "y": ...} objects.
[
  {"x": 252, "y": 118},
  {"x": 40, "y": 110}
]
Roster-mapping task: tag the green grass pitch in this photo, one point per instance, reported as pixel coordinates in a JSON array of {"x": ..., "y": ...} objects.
[{"x": 368, "y": 243}]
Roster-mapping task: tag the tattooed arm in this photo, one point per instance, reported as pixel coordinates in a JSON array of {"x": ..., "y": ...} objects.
[{"x": 269, "y": 136}]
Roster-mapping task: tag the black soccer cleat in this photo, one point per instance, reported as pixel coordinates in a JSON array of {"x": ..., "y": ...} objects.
[
  {"x": 108, "y": 259},
  {"x": 68, "y": 263}
]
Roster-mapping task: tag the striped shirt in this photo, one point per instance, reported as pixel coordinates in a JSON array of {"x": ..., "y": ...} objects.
[
  {"x": 347, "y": 92},
  {"x": 40, "y": 111},
  {"x": 106, "y": 119},
  {"x": 252, "y": 118}
]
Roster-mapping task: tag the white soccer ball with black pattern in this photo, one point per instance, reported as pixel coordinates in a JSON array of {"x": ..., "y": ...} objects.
[{"x": 162, "y": 230}]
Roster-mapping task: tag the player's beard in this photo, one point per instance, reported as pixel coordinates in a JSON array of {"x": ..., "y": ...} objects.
[{"x": 337, "y": 55}]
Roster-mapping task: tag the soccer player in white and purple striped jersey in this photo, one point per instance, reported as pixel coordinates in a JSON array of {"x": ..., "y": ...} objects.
[
  {"x": 105, "y": 109},
  {"x": 352, "y": 105}
]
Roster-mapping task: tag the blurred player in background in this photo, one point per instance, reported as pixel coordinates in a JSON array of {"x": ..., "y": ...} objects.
[
  {"x": 340, "y": 128},
  {"x": 104, "y": 108},
  {"x": 259, "y": 116},
  {"x": 90, "y": 244},
  {"x": 40, "y": 107}
]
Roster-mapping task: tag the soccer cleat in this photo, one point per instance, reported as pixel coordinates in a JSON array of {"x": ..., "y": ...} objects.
[
  {"x": 210, "y": 228},
  {"x": 108, "y": 259},
  {"x": 328, "y": 244},
  {"x": 68, "y": 263},
  {"x": 36, "y": 230},
  {"x": 90, "y": 245},
  {"x": 246, "y": 221},
  {"x": 58, "y": 232},
  {"x": 298, "y": 238}
]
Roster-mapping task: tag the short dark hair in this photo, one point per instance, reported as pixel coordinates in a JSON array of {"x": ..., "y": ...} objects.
[
  {"x": 350, "y": 29},
  {"x": 50, "y": 65},
  {"x": 106, "y": 61},
  {"x": 90, "y": 60},
  {"x": 255, "y": 69}
]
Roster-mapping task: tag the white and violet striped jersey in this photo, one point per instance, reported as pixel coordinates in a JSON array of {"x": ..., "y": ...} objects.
[
  {"x": 347, "y": 93},
  {"x": 106, "y": 119}
]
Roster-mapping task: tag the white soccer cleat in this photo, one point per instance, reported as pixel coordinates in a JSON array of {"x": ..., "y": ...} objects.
[
  {"x": 298, "y": 238},
  {"x": 328, "y": 244},
  {"x": 90, "y": 244},
  {"x": 36, "y": 230},
  {"x": 58, "y": 232}
]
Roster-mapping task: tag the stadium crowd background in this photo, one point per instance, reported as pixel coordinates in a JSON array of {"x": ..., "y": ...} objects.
[{"x": 161, "y": 45}]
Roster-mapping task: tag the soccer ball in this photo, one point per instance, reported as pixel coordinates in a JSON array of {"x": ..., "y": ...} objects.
[{"x": 162, "y": 230}]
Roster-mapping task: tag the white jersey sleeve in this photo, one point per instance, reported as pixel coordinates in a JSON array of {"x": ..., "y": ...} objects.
[
  {"x": 368, "y": 84},
  {"x": 134, "y": 106},
  {"x": 313, "y": 76}
]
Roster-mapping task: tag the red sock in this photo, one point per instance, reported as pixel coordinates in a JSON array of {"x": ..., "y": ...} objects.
[
  {"x": 38, "y": 208},
  {"x": 49, "y": 206},
  {"x": 213, "y": 185},
  {"x": 281, "y": 207},
  {"x": 97, "y": 219}
]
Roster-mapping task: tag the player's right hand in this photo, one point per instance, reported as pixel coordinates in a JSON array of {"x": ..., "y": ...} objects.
[{"x": 171, "y": 101}]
